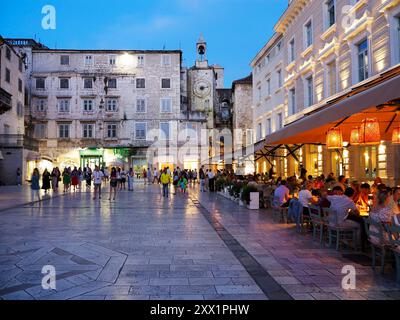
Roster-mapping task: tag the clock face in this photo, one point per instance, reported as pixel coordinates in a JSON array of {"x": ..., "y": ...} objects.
[{"x": 202, "y": 88}]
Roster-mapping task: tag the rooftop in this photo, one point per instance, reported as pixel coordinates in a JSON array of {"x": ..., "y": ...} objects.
[
  {"x": 38, "y": 47},
  {"x": 246, "y": 80}
]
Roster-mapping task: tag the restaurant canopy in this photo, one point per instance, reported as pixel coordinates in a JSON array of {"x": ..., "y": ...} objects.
[{"x": 378, "y": 98}]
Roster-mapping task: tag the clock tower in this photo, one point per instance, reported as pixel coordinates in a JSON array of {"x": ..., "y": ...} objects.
[
  {"x": 200, "y": 96},
  {"x": 203, "y": 81}
]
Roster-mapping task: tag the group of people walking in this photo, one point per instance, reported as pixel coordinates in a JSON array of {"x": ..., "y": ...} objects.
[{"x": 73, "y": 179}]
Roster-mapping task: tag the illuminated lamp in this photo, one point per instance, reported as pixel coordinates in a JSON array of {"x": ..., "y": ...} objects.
[
  {"x": 396, "y": 135},
  {"x": 355, "y": 136},
  {"x": 370, "y": 132},
  {"x": 334, "y": 139}
]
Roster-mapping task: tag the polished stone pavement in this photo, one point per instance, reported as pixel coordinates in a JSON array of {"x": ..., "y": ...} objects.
[
  {"x": 142, "y": 246},
  {"x": 12, "y": 196}
]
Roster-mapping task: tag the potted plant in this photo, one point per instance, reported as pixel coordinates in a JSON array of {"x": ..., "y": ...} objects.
[
  {"x": 235, "y": 189},
  {"x": 251, "y": 197}
]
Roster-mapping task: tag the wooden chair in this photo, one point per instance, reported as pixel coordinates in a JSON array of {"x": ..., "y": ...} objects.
[
  {"x": 306, "y": 219},
  {"x": 318, "y": 223},
  {"x": 394, "y": 238},
  {"x": 268, "y": 201},
  {"x": 277, "y": 210},
  {"x": 341, "y": 234},
  {"x": 379, "y": 245}
]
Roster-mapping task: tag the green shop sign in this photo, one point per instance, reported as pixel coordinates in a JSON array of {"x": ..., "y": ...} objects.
[{"x": 91, "y": 152}]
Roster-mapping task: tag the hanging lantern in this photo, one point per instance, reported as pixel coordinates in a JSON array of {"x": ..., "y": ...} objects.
[
  {"x": 396, "y": 135},
  {"x": 334, "y": 139},
  {"x": 370, "y": 132},
  {"x": 355, "y": 136}
]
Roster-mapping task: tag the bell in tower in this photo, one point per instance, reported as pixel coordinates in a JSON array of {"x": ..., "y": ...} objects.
[{"x": 201, "y": 51}]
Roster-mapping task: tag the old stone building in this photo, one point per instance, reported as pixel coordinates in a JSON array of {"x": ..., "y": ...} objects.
[
  {"x": 16, "y": 147},
  {"x": 127, "y": 108},
  {"x": 242, "y": 125}
]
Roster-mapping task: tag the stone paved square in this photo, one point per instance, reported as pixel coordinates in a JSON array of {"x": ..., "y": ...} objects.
[{"x": 143, "y": 247}]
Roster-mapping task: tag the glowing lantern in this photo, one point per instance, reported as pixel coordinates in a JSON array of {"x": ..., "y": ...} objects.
[
  {"x": 370, "y": 132},
  {"x": 355, "y": 136},
  {"x": 396, "y": 135},
  {"x": 334, "y": 139}
]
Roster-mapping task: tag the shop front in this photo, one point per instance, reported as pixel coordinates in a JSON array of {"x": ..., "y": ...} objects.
[{"x": 91, "y": 158}]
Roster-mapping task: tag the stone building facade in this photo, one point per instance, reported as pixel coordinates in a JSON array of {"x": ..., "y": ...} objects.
[
  {"x": 242, "y": 125},
  {"x": 268, "y": 95},
  {"x": 126, "y": 108},
  {"x": 330, "y": 48},
  {"x": 16, "y": 148}
]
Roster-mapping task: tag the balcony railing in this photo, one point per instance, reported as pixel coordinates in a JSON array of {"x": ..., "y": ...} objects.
[
  {"x": 5, "y": 101},
  {"x": 18, "y": 141}
]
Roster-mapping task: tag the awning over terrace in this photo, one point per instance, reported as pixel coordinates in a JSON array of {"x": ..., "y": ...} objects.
[{"x": 378, "y": 98}]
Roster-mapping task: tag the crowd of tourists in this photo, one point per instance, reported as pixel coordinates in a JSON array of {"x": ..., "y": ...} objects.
[{"x": 75, "y": 179}]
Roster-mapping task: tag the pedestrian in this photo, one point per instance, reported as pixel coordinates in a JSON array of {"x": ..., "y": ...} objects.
[
  {"x": 59, "y": 178},
  {"x": 123, "y": 179},
  {"x": 144, "y": 175},
  {"x": 46, "y": 180},
  {"x": 88, "y": 178},
  {"x": 54, "y": 179},
  {"x": 98, "y": 176},
  {"x": 195, "y": 176},
  {"x": 130, "y": 177},
  {"x": 113, "y": 183},
  {"x": 119, "y": 178},
  {"x": 106, "y": 174},
  {"x": 183, "y": 183},
  {"x": 74, "y": 178},
  {"x": 165, "y": 181},
  {"x": 19, "y": 176},
  {"x": 202, "y": 177},
  {"x": 206, "y": 181},
  {"x": 211, "y": 180},
  {"x": 175, "y": 179},
  {"x": 190, "y": 176},
  {"x": 149, "y": 176},
  {"x": 35, "y": 188},
  {"x": 80, "y": 178},
  {"x": 155, "y": 178},
  {"x": 66, "y": 179}
]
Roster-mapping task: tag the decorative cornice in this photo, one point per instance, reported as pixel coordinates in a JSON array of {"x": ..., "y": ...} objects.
[
  {"x": 357, "y": 6},
  {"x": 328, "y": 49},
  {"x": 328, "y": 32},
  {"x": 307, "y": 66},
  {"x": 387, "y": 5},
  {"x": 306, "y": 52},
  {"x": 359, "y": 25},
  {"x": 290, "y": 79},
  {"x": 290, "y": 15},
  {"x": 290, "y": 66},
  {"x": 267, "y": 47}
]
